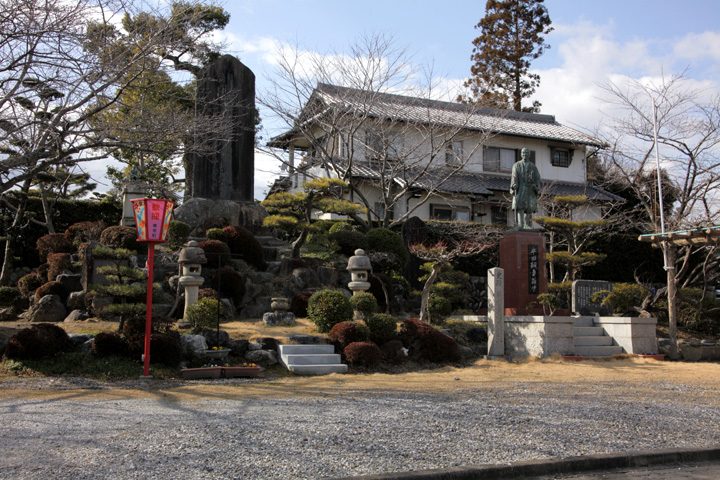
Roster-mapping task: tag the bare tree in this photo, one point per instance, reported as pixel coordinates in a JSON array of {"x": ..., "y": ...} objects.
[
  {"x": 344, "y": 111},
  {"x": 65, "y": 64},
  {"x": 687, "y": 122}
]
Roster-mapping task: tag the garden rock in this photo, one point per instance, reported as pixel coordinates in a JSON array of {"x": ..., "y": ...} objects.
[
  {"x": 260, "y": 277},
  {"x": 305, "y": 278},
  {"x": 268, "y": 343},
  {"x": 306, "y": 339},
  {"x": 76, "y": 300},
  {"x": 238, "y": 348},
  {"x": 254, "y": 346},
  {"x": 78, "y": 339},
  {"x": 466, "y": 352},
  {"x": 71, "y": 281},
  {"x": 273, "y": 319},
  {"x": 8, "y": 314},
  {"x": 49, "y": 309},
  {"x": 214, "y": 337},
  {"x": 76, "y": 316},
  {"x": 328, "y": 276},
  {"x": 87, "y": 347},
  {"x": 262, "y": 357},
  {"x": 193, "y": 345},
  {"x": 254, "y": 311}
]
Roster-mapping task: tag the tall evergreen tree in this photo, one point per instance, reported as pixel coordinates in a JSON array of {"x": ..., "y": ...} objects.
[{"x": 512, "y": 35}]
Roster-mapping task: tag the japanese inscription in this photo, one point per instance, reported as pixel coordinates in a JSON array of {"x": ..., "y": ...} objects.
[{"x": 533, "y": 273}]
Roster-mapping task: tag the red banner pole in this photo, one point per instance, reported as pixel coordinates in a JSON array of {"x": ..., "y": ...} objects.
[{"x": 148, "y": 313}]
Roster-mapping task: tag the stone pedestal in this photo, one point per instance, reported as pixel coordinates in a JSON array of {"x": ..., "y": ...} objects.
[
  {"x": 496, "y": 313},
  {"x": 522, "y": 257},
  {"x": 191, "y": 284},
  {"x": 132, "y": 191}
]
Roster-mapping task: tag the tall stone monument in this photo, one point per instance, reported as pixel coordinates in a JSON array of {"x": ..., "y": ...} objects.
[
  {"x": 220, "y": 181},
  {"x": 226, "y": 89}
]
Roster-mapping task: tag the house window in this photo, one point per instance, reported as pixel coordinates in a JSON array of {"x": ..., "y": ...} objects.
[
  {"x": 448, "y": 212},
  {"x": 560, "y": 157},
  {"x": 499, "y": 214},
  {"x": 499, "y": 159},
  {"x": 454, "y": 153}
]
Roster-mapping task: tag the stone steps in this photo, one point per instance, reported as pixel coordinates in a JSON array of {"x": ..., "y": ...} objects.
[
  {"x": 591, "y": 341},
  {"x": 311, "y": 359}
]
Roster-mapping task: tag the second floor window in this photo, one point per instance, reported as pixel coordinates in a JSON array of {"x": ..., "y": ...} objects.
[
  {"x": 454, "y": 153},
  {"x": 560, "y": 157},
  {"x": 497, "y": 159}
]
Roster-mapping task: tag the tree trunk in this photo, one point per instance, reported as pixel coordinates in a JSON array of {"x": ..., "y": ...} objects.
[
  {"x": 424, "y": 313},
  {"x": 672, "y": 296},
  {"x": 7, "y": 266},
  {"x": 47, "y": 210},
  {"x": 298, "y": 243}
]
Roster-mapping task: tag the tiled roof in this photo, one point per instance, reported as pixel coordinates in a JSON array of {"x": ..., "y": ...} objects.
[{"x": 455, "y": 115}]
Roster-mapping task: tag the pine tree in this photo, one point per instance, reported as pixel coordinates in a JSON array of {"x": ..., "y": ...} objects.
[{"x": 512, "y": 35}]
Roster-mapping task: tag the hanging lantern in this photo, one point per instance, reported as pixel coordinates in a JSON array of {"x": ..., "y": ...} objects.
[{"x": 152, "y": 219}]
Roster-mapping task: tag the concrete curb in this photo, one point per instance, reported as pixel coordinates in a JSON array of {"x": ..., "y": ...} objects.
[{"x": 569, "y": 465}]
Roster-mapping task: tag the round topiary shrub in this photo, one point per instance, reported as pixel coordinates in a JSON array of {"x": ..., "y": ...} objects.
[
  {"x": 231, "y": 284},
  {"x": 242, "y": 241},
  {"x": 53, "y": 243},
  {"x": 216, "y": 234},
  {"x": 178, "y": 233},
  {"x": 439, "y": 308},
  {"x": 82, "y": 232},
  {"x": 217, "y": 252},
  {"x": 340, "y": 227},
  {"x": 383, "y": 327},
  {"x": 349, "y": 241},
  {"x": 204, "y": 314},
  {"x": 41, "y": 340},
  {"x": 385, "y": 240},
  {"x": 165, "y": 349},
  {"x": 299, "y": 304},
  {"x": 29, "y": 283},
  {"x": 8, "y": 296},
  {"x": 106, "y": 344},
  {"x": 427, "y": 343},
  {"x": 365, "y": 354},
  {"x": 59, "y": 263},
  {"x": 122, "y": 237},
  {"x": 393, "y": 352},
  {"x": 326, "y": 308},
  {"x": 365, "y": 303},
  {"x": 345, "y": 333},
  {"x": 51, "y": 288}
]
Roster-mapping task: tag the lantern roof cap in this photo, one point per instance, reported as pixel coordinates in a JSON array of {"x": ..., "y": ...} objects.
[
  {"x": 359, "y": 261},
  {"x": 192, "y": 253}
]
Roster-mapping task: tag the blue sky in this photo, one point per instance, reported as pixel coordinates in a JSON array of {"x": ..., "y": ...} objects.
[{"x": 593, "y": 42}]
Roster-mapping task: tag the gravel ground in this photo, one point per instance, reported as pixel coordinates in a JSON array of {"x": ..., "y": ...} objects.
[{"x": 339, "y": 434}]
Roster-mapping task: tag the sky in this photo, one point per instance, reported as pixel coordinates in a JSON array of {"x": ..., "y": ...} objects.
[{"x": 593, "y": 42}]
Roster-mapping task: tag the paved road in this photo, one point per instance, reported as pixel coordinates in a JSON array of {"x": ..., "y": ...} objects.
[{"x": 702, "y": 471}]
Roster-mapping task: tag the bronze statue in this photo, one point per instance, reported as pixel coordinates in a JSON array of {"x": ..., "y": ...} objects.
[{"x": 524, "y": 187}]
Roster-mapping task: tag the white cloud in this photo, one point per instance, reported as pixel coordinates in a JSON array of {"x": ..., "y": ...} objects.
[{"x": 696, "y": 46}]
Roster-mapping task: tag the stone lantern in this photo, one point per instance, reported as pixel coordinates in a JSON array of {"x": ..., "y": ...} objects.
[
  {"x": 359, "y": 267},
  {"x": 191, "y": 259}
]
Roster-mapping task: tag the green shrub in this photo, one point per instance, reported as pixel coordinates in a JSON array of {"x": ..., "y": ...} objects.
[
  {"x": 204, "y": 314},
  {"x": 29, "y": 283},
  {"x": 51, "y": 288},
  {"x": 459, "y": 331},
  {"x": 178, "y": 233},
  {"x": 385, "y": 240},
  {"x": 8, "y": 295},
  {"x": 625, "y": 296},
  {"x": 451, "y": 292},
  {"x": 344, "y": 333},
  {"x": 59, "y": 262},
  {"x": 106, "y": 344},
  {"x": 216, "y": 234},
  {"x": 326, "y": 308},
  {"x": 563, "y": 291},
  {"x": 340, "y": 227},
  {"x": 41, "y": 340},
  {"x": 691, "y": 314},
  {"x": 549, "y": 302},
  {"x": 348, "y": 241},
  {"x": 83, "y": 232},
  {"x": 365, "y": 354},
  {"x": 439, "y": 308},
  {"x": 231, "y": 284},
  {"x": 217, "y": 252},
  {"x": 53, "y": 243},
  {"x": 243, "y": 242},
  {"x": 365, "y": 303},
  {"x": 383, "y": 327},
  {"x": 122, "y": 237}
]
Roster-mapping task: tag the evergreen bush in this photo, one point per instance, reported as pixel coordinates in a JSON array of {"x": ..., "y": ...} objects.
[
  {"x": 204, "y": 314},
  {"x": 427, "y": 343},
  {"x": 299, "y": 304},
  {"x": 348, "y": 241},
  {"x": 439, "y": 308},
  {"x": 365, "y": 354},
  {"x": 107, "y": 344},
  {"x": 383, "y": 327},
  {"x": 51, "y": 288},
  {"x": 243, "y": 242},
  {"x": 83, "y": 232},
  {"x": 178, "y": 233},
  {"x": 217, "y": 252},
  {"x": 393, "y": 352},
  {"x": 166, "y": 349},
  {"x": 41, "y": 340},
  {"x": 326, "y": 308},
  {"x": 122, "y": 237},
  {"x": 8, "y": 296},
  {"x": 231, "y": 284},
  {"x": 216, "y": 234},
  {"x": 53, "y": 243},
  {"x": 385, "y": 240},
  {"x": 27, "y": 284},
  {"x": 365, "y": 303},
  {"x": 59, "y": 263},
  {"x": 344, "y": 333},
  {"x": 340, "y": 227}
]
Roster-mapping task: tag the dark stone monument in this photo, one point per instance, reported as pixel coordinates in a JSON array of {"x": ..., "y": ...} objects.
[
  {"x": 582, "y": 290},
  {"x": 226, "y": 88},
  {"x": 522, "y": 257}
]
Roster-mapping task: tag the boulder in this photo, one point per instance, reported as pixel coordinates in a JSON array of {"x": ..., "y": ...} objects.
[
  {"x": 76, "y": 316},
  {"x": 260, "y": 277},
  {"x": 328, "y": 276},
  {"x": 273, "y": 319},
  {"x": 79, "y": 339},
  {"x": 268, "y": 343},
  {"x": 218, "y": 338},
  {"x": 8, "y": 314},
  {"x": 203, "y": 213},
  {"x": 254, "y": 346},
  {"x": 71, "y": 281},
  {"x": 193, "y": 345},
  {"x": 87, "y": 347},
  {"x": 76, "y": 301},
  {"x": 305, "y": 278},
  {"x": 238, "y": 348},
  {"x": 262, "y": 357},
  {"x": 466, "y": 352},
  {"x": 49, "y": 309}
]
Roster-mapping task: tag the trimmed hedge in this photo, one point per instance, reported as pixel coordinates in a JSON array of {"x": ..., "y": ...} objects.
[
  {"x": 27, "y": 284},
  {"x": 427, "y": 343},
  {"x": 345, "y": 333},
  {"x": 217, "y": 252},
  {"x": 365, "y": 354},
  {"x": 122, "y": 237},
  {"x": 53, "y": 243},
  {"x": 385, "y": 240},
  {"x": 41, "y": 340},
  {"x": 326, "y": 308},
  {"x": 242, "y": 241},
  {"x": 51, "y": 288},
  {"x": 106, "y": 344},
  {"x": 231, "y": 284},
  {"x": 383, "y": 327}
]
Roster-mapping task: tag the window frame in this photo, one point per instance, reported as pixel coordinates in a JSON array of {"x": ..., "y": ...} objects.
[
  {"x": 453, "y": 212},
  {"x": 560, "y": 163},
  {"x": 454, "y": 152}
]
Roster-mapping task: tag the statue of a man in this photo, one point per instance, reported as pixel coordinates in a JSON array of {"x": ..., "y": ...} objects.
[{"x": 524, "y": 187}]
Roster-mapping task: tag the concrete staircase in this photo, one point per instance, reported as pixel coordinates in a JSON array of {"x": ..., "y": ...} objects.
[
  {"x": 311, "y": 359},
  {"x": 273, "y": 248},
  {"x": 591, "y": 341}
]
